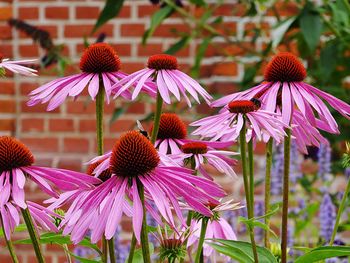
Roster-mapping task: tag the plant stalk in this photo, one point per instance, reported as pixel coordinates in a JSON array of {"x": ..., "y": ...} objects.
[
  {"x": 157, "y": 115},
  {"x": 242, "y": 144},
  {"x": 9, "y": 244},
  {"x": 33, "y": 235},
  {"x": 286, "y": 171},
  {"x": 111, "y": 250},
  {"x": 251, "y": 174},
  {"x": 340, "y": 211},
  {"x": 268, "y": 190},
  {"x": 201, "y": 240},
  {"x": 132, "y": 248},
  {"x": 144, "y": 233}
]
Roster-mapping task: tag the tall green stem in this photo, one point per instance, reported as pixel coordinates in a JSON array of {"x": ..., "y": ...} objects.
[
  {"x": 144, "y": 233},
  {"x": 201, "y": 239},
  {"x": 158, "y": 113},
  {"x": 132, "y": 248},
  {"x": 33, "y": 234},
  {"x": 286, "y": 171},
  {"x": 242, "y": 142},
  {"x": 251, "y": 175},
  {"x": 268, "y": 189},
  {"x": 9, "y": 244},
  {"x": 111, "y": 250},
  {"x": 340, "y": 211}
]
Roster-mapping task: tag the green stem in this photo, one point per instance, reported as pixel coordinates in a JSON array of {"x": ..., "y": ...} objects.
[
  {"x": 66, "y": 251},
  {"x": 157, "y": 115},
  {"x": 9, "y": 244},
  {"x": 287, "y": 142},
  {"x": 251, "y": 175},
  {"x": 268, "y": 189},
  {"x": 111, "y": 250},
  {"x": 242, "y": 144},
  {"x": 132, "y": 248},
  {"x": 99, "y": 119},
  {"x": 33, "y": 235},
  {"x": 144, "y": 233},
  {"x": 104, "y": 256},
  {"x": 201, "y": 239},
  {"x": 340, "y": 211}
]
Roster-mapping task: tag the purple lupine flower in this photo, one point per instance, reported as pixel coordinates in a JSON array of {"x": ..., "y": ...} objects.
[
  {"x": 324, "y": 161},
  {"x": 241, "y": 228},
  {"x": 290, "y": 239},
  {"x": 347, "y": 172},
  {"x": 259, "y": 211},
  {"x": 327, "y": 217},
  {"x": 153, "y": 223},
  {"x": 121, "y": 251},
  {"x": 277, "y": 170}
]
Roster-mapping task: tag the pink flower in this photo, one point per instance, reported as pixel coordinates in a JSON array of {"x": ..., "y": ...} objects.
[
  {"x": 163, "y": 69},
  {"x": 17, "y": 66},
  {"x": 284, "y": 89},
  {"x": 135, "y": 161},
  {"x": 217, "y": 228},
  {"x": 16, "y": 168},
  {"x": 226, "y": 125},
  {"x": 99, "y": 63},
  {"x": 201, "y": 153}
]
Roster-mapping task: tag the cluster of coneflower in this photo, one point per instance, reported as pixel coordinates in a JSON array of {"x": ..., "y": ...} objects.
[{"x": 163, "y": 172}]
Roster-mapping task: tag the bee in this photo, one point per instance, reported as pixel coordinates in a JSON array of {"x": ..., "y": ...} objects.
[
  {"x": 256, "y": 102},
  {"x": 142, "y": 130}
]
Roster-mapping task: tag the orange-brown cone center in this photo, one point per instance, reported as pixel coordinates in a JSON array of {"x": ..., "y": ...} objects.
[
  {"x": 133, "y": 155},
  {"x": 242, "y": 106},
  {"x": 195, "y": 148},
  {"x": 162, "y": 61},
  {"x": 285, "y": 67},
  {"x": 14, "y": 154},
  {"x": 99, "y": 58},
  {"x": 104, "y": 176},
  {"x": 171, "y": 127}
]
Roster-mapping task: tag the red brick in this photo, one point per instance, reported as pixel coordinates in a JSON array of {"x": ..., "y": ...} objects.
[
  {"x": 61, "y": 125},
  {"x": 49, "y": 28},
  {"x": 87, "y": 125},
  {"x": 130, "y": 67},
  {"x": 27, "y": 87},
  {"x": 7, "y": 106},
  {"x": 81, "y": 107},
  {"x": 56, "y": 12},
  {"x": 225, "y": 69},
  {"x": 76, "y": 145},
  {"x": 79, "y": 31},
  {"x": 70, "y": 164},
  {"x": 28, "y": 13},
  {"x": 130, "y": 29},
  {"x": 149, "y": 49},
  {"x": 32, "y": 125},
  {"x": 87, "y": 12},
  {"x": 146, "y": 10},
  {"x": 7, "y": 125},
  {"x": 122, "y": 125},
  {"x": 5, "y": 12},
  {"x": 29, "y": 50},
  {"x": 5, "y": 32},
  {"x": 135, "y": 108},
  {"x": 39, "y": 108},
  {"x": 7, "y": 88},
  {"x": 6, "y": 50},
  {"x": 43, "y": 145},
  {"x": 166, "y": 30}
]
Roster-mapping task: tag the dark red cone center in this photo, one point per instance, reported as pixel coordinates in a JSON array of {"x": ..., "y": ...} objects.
[
  {"x": 162, "y": 61},
  {"x": 195, "y": 148},
  {"x": 104, "y": 176},
  {"x": 171, "y": 127},
  {"x": 242, "y": 106}
]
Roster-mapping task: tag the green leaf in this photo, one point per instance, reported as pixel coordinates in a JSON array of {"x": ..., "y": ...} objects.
[
  {"x": 117, "y": 113},
  {"x": 19, "y": 228},
  {"x": 199, "y": 56},
  {"x": 328, "y": 60},
  {"x": 156, "y": 20},
  {"x": 233, "y": 253},
  {"x": 198, "y": 2},
  {"x": 280, "y": 30},
  {"x": 84, "y": 260},
  {"x": 138, "y": 258},
  {"x": 178, "y": 45},
  {"x": 322, "y": 253},
  {"x": 311, "y": 26},
  {"x": 264, "y": 255},
  {"x": 110, "y": 10}
]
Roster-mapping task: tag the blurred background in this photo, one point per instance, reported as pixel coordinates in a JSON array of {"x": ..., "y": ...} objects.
[{"x": 223, "y": 44}]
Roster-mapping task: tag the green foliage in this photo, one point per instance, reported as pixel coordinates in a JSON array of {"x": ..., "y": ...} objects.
[
  {"x": 110, "y": 10},
  {"x": 322, "y": 253},
  {"x": 138, "y": 258}
]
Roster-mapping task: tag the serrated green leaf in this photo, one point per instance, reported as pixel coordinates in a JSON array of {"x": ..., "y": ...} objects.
[
  {"x": 322, "y": 253},
  {"x": 311, "y": 26},
  {"x": 156, "y": 20},
  {"x": 110, "y": 10},
  {"x": 280, "y": 30}
]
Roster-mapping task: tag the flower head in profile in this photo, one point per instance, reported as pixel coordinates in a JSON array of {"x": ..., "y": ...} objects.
[
  {"x": 135, "y": 163},
  {"x": 284, "y": 89},
  {"x": 227, "y": 125},
  {"x": 217, "y": 228},
  {"x": 17, "y": 66},
  {"x": 98, "y": 64},
  {"x": 16, "y": 168},
  {"x": 201, "y": 153},
  {"x": 163, "y": 70}
]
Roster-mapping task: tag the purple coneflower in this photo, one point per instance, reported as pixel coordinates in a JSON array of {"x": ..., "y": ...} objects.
[
  {"x": 16, "y": 167},
  {"x": 284, "y": 88},
  {"x": 99, "y": 63},
  {"x": 134, "y": 161},
  {"x": 16, "y": 66},
  {"x": 226, "y": 125},
  {"x": 163, "y": 69}
]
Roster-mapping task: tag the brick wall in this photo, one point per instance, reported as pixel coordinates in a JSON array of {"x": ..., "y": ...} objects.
[{"x": 66, "y": 137}]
